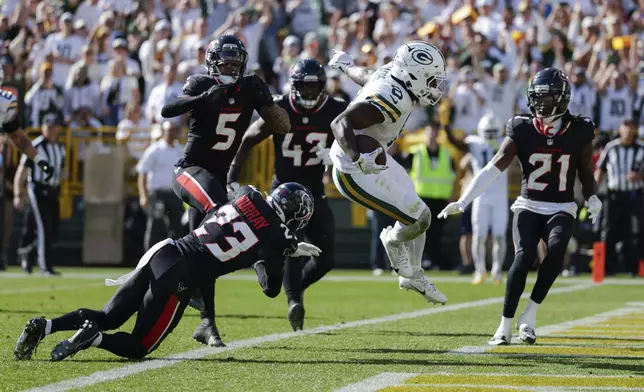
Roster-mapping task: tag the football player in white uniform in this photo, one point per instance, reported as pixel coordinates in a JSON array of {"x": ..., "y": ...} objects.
[
  {"x": 416, "y": 76},
  {"x": 10, "y": 124},
  {"x": 490, "y": 210}
]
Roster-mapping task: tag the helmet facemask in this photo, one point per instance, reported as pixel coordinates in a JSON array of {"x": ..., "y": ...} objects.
[
  {"x": 227, "y": 65},
  {"x": 546, "y": 107},
  {"x": 431, "y": 91},
  {"x": 308, "y": 94}
]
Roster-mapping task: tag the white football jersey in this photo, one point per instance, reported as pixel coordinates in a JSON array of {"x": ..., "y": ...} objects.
[
  {"x": 8, "y": 109},
  {"x": 616, "y": 106},
  {"x": 467, "y": 108},
  {"x": 68, "y": 48},
  {"x": 482, "y": 152},
  {"x": 395, "y": 104},
  {"x": 502, "y": 98},
  {"x": 582, "y": 100}
]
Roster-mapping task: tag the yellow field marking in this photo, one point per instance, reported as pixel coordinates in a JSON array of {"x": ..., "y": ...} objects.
[
  {"x": 559, "y": 350},
  {"x": 527, "y": 380},
  {"x": 591, "y": 341},
  {"x": 595, "y": 332},
  {"x": 453, "y": 388}
]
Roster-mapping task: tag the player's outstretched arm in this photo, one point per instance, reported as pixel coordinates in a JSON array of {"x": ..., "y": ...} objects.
[
  {"x": 258, "y": 131},
  {"x": 270, "y": 275},
  {"x": 276, "y": 118},
  {"x": 484, "y": 178},
  {"x": 359, "y": 116},
  {"x": 23, "y": 143},
  {"x": 342, "y": 61}
]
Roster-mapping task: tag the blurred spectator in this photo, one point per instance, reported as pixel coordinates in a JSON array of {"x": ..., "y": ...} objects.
[
  {"x": 582, "y": 95},
  {"x": 88, "y": 59},
  {"x": 468, "y": 100},
  {"x": 66, "y": 48},
  {"x": 502, "y": 90},
  {"x": 89, "y": 12},
  {"x": 183, "y": 15},
  {"x": 156, "y": 197},
  {"x": 284, "y": 62},
  {"x": 303, "y": 16},
  {"x": 161, "y": 94},
  {"x": 198, "y": 38},
  {"x": 122, "y": 53},
  {"x": 615, "y": 101},
  {"x": 312, "y": 48},
  {"x": 195, "y": 64},
  {"x": 153, "y": 53},
  {"x": 118, "y": 89},
  {"x": 334, "y": 87},
  {"x": 433, "y": 171},
  {"x": 134, "y": 130},
  {"x": 82, "y": 92},
  {"x": 44, "y": 97}
]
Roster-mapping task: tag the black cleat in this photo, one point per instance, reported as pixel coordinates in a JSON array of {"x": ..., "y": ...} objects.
[
  {"x": 296, "y": 315},
  {"x": 49, "y": 272},
  {"x": 207, "y": 333},
  {"x": 80, "y": 341},
  {"x": 196, "y": 302},
  {"x": 29, "y": 339}
]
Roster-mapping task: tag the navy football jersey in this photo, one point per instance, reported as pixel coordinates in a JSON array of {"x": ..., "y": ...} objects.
[
  {"x": 294, "y": 160},
  {"x": 237, "y": 234},
  {"x": 549, "y": 164},
  {"x": 216, "y": 127}
]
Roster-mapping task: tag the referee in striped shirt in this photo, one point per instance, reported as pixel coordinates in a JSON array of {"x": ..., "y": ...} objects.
[
  {"x": 622, "y": 163},
  {"x": 42, "y": 216}
]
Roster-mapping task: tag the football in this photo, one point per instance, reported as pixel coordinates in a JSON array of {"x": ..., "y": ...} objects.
[{"x": 368, "y": 144}]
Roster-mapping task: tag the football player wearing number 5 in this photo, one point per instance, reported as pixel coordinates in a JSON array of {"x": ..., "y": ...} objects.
[
  {"x": 301, "y": 156},
  {"x": 490, "y": 210},
  {"x": 416, "y": 77},
  {"x": 220, "y": 106},
  {"x": 554, "y": 148},
  {"x": 247, "y": 231}
]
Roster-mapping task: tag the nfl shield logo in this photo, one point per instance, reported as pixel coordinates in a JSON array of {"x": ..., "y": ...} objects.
[
  {"x": 549, "y": 142},
  {"x": 305, "y": 120}
]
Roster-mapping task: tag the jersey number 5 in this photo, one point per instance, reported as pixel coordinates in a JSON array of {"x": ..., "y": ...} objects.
[
  {"x": 545, "y": 165},
  {"x": 241, "y": 242},
  {"x": 224, "y": 130},
  {"x": 313, "y": 138}
]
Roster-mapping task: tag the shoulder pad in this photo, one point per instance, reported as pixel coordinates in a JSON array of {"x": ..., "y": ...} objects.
[{"x": 196, "y": 84}]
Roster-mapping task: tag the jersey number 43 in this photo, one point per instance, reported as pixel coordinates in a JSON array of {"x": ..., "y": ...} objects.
[
  {"x": 544, "y": 163},
  {"x": 243, "y": 240}
]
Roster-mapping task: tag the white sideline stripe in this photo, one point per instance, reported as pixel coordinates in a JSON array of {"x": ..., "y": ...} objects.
[
  {"x": 126, "y": 371},
  {"x": 557, "y": 328},
  {"x": 378, "y": 382},
  {"x": 49, "y": 289},
  {"x": 520, "y": 388},
  {"x": 384, "y": 380}
]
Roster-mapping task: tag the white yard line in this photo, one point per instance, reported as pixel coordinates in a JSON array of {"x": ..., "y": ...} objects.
[
  {"x": 135, "y": 368},
  {"x": 384, "y": 380},
  {"x": 552, "y": 330}
]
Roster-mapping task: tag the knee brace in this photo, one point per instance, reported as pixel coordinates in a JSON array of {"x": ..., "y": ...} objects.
[{"x": 402, "y": 233}]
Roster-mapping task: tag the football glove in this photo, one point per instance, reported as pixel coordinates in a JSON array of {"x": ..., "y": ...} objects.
[
  {"x": 232, "y": 189},
  {"x": 207, "y": 333},
  {"x": 341, "y": 61},
  {"x": 452, "y": 208},
  {"x": 306, "y": 249},
  {"x": 44, "y": 166},
  {"x": 323, "y": 154},
  {"x": 594, "y": 207},
  {"x": 367, "y": 162},
  {"x": 214, "y": 92}
]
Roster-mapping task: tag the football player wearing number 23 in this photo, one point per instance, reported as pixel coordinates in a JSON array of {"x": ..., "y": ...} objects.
[
  {"x": 554, "y": 148},
  {"x": 248, "y": 231},
  {"x": 220, "y": 106},
  {"x": 301, "y": 156}
]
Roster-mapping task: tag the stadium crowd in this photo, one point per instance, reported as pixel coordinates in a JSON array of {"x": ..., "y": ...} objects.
[{"x": 116, "y": 63}]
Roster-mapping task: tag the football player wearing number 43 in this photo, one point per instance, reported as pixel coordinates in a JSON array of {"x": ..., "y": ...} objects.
[
  {"x": 415, "y": 77},
  {"x": 301, "y": 156},
  {"x": 247, "y": 231},
  {"x": 554, "y": 148}
]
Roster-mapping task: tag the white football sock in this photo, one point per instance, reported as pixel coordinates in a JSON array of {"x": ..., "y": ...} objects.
[
  {"x": 505, "y": 327},
  {"x": 48, "y": 327},
  {"x": 499, "y": 250},
  {"x": 529, "y": 315},
  {"x": 478, "y": 253},
  {"x": 417, "y": 251},
  {"x": 97, "y": 340}
]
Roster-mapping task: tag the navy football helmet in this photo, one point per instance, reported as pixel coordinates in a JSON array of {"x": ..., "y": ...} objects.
[
  {"x": 226, "y": 59},
  {"x": 293, "y": 203},
  {"x": 308, "y": 83},
  {"x": 549, "y": 94}
]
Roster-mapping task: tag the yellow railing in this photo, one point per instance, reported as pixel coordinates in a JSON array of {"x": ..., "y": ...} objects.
[{"x": 258, "y": 170}]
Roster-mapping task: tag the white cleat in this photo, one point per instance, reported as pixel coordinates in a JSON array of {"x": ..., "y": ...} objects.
[
  {"x": 527, "y": 334},
  {"x": 499, "y": 339},
  {"x": 399, "y": 254},
  {"x": 423, "y": 287}
]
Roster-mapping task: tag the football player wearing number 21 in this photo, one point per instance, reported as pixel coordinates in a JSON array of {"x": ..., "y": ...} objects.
[
  {"x": 416, "y": 76},
  {"x": 554, "y": 147}
]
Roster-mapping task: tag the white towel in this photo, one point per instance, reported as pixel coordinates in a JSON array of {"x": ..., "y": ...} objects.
[{"x": 120, "y": 281}]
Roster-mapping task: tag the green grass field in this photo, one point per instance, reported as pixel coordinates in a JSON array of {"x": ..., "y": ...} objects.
[{"x": 361, "y": 334}]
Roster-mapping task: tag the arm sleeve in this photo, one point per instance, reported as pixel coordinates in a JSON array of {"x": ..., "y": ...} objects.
[
  {"x": 480, "y": 183},
  {"x": 270, "y": 273},
  {"x": 180, "y": 106}
]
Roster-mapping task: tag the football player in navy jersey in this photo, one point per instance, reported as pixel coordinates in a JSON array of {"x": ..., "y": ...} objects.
[
  {"x": 220, "y": 106},
  {"x": 301, "y": 156},
  {"x": 554, "y": 147},
  {"x": 247, "y": 231}
]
